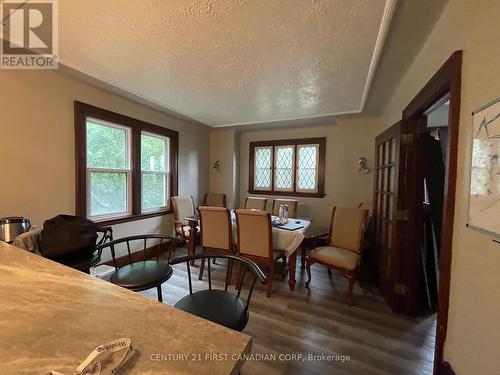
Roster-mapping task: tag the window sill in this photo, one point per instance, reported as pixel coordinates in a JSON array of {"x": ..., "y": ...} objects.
[
  {"x": 130, "y": 218},
  {"x": 287, "y": 193}
]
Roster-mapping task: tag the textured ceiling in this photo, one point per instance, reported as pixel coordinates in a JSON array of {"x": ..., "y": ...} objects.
[{"x": 228, "y": 62}]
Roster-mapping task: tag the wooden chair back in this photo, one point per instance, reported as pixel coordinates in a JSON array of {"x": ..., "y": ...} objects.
[
  {"x": 215, "y": 200},
  {"x": 292, "y": 207},
  {"x": 254, "y": 234},
  {"x": 216, "y": 228},
  {"x": 183, "y": 207},
  {"x": 367, "y": 206},
  {"x": 347, "y": 228},
  {"x": 252, "y": 203}
]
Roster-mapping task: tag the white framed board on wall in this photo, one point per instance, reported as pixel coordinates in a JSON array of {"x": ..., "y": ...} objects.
[{"x": 484, "y": 195}]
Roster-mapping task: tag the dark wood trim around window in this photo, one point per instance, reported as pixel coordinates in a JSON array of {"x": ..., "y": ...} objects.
[
  {"x": 289, "y": 142},
  {"x": 82, "y": 111}
]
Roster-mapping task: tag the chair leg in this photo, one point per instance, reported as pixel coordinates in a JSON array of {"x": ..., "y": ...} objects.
[
  {"x": 283, "y": 271},
  {"x": 238, "y": 276},
  {"x": 309, "y": 263},
  {"x": 202, "y": 265},
  {"x": 230, "y": 270},
  {"x": 270, "y": 275},
  {"x": 352, "y": 281},
  {"x": 160, "y": 297}
]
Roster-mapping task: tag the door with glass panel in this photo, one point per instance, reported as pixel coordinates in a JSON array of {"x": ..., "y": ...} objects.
[{"x": 386, "y": 214}]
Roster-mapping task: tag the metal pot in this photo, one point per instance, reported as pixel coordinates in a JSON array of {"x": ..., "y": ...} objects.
[{"x": 11, "y": 227}]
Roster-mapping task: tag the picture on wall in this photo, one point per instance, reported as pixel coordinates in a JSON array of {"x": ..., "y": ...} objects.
[{"x": 484, "y": 200}]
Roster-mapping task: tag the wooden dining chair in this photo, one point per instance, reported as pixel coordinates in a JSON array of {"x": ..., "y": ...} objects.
[
  {"x": 216, "y": 233},
  {"x": 369, "y": 226},
  {"x": 292, "y": 207},
  {"x": 255, "y": 241},
  {"x": 253, "y": 203},
  {"x": 367, "y": 206},
  {"x": 219, "y": 305},
  {"x": 215, "y": 200},
  {"x": 148, "y": 272},
  {"x": 345, "y": 244},
  {"x": 183, "y": 207}
]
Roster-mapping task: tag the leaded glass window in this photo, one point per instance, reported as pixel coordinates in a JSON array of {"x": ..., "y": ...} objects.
[{"x": 291, "y": 167}]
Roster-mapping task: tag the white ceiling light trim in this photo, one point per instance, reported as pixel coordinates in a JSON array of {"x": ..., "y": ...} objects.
[{"x": 314, "y": 117}]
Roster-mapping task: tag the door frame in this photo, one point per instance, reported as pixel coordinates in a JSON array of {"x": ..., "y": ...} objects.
[{"x": 446, "y": 80}]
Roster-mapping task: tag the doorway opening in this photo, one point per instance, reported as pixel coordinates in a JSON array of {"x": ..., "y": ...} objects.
[
  {"x": 446, "y": 82},
  {"x": 414, "y": 201},
  {"x": 432, "y": 145}
]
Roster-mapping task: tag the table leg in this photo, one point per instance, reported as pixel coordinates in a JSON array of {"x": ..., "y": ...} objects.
[
  {"x": 292, "y": 264},
  {"x": 192, "y": 239},
  {"x": 302, "y": 255}
]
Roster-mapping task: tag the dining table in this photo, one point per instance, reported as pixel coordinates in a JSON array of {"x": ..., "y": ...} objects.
[
  {"x": 289, "y": 241},
  {"x": 52, "y": 317}
]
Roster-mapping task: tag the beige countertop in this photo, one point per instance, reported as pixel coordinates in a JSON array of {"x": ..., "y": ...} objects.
[{"x": 52, "y": 317}]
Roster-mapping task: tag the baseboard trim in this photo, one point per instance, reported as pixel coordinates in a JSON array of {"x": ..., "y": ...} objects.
[{"x": 446, "y": 369}]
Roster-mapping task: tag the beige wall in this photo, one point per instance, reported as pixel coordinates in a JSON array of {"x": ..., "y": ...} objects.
[
  {"x": 346, "y": 140},
  {"x": 473, "y": 329},
  {"x": 224, "y": 147},
  {"x": 37, "y": 177}
]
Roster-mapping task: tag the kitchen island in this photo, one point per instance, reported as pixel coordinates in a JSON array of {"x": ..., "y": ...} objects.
[{"x": 52, "y": 317}]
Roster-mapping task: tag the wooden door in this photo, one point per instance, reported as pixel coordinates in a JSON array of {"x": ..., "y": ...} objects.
[
  {"x": 387, "y": 242},
  {"x": 398, "y": 214}
]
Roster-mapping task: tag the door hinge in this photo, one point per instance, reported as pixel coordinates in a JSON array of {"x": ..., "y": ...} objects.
[
  {"x": 400, "y": 289},
  {"x": 407, "y": 138},
  {"x": 403, "y": 215}
]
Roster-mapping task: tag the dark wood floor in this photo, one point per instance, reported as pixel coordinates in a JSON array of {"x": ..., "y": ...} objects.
[{"x": 318, "y": 321}]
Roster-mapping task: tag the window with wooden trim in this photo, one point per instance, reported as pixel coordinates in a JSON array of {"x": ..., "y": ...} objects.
[
  {"x": 155, "y": 172},
  {"x": 126, "y": 169},
  {"x": 288, "y": 167}
]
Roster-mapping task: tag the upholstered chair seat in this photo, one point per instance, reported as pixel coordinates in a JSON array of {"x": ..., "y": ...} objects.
[
  {"x": 346, "y": 242},
  {"x": 335, "y": 255},
  {"x": 184, "y": 231}
]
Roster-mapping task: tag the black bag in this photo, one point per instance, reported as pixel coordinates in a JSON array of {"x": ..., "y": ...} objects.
[{"x": 66, "y": 235}]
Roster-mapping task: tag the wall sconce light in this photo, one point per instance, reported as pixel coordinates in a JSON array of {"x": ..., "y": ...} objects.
[
  {"x": 216, "y": 166},
  {"x": 363, "y": 165}
]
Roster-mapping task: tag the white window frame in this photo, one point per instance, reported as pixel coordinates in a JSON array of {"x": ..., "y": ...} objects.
[
  {"x": 271, "y": 181},
  {"x": 127, "y": 171},
  {"x": 274, "y": 155},
  {"x": 165, "y": 173},
  {"x": 316, "y": 170}
]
